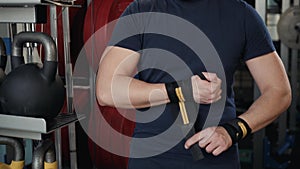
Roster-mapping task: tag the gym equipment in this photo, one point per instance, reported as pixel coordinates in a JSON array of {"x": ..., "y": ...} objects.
[
  {"x": 44, "y": 156},
  {"x": 29, "y": 90},
  {"x": 100, "y": 13},
  {"x": 3, "y": 60},
  {"x": 35, "y": 2},
  {"x": 289, "y": 143},
  {"x": 18, "y": 161},
  {"x": 270, "y": 161},
  {"x": 289, "y": 27},
  {"x": 55, "y": 27}
]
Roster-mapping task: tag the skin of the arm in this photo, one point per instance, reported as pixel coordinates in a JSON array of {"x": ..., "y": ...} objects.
[
  {"x": 272, "y": 81},
  {"x": 115, "y": 85},
  {"x": 271, "y": 78}
]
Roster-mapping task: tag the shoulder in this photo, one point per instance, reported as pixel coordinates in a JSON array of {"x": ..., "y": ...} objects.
[
  {"x": 235, "y": 4},
  {"x": 240, "y": 8}
]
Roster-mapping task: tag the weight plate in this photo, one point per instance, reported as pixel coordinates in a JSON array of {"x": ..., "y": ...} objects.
[
  {"x": 289, "y": 27},
  {"x": 99, "y": 14}
]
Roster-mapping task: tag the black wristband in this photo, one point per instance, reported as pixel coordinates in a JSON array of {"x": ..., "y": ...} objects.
[
  {"x": 170, "y": 87},
  {"x": 248, "y": 129},
  {"x": 238, "y": 129},
  {"x": 186, "y": 88}
]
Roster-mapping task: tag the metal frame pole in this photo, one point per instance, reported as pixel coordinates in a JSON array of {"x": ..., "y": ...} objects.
[
  {"x": 284, "y": 54},
  {"x": 69, "y": 86},
  {"x": 294, "y": 82},
  {"x": 261, "y": 6},
  {"x": 53, "y": 27}
]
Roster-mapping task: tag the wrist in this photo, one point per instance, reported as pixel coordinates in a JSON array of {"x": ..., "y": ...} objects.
[
  {"x": 237, "y": 129},
  {"x": 180, "y": 91},
  {"x": 171, "y": 91}
]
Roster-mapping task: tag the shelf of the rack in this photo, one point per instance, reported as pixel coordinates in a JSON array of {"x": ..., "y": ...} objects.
[{"x": 34, "y": 128}]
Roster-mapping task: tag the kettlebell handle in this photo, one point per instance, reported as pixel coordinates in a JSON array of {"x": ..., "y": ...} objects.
[
  {"x": 3, "y": 57},
  {"x": 17, "y": 146},
  {"x": 50, "y": 62},
  {"x": 43, "y": 152}
]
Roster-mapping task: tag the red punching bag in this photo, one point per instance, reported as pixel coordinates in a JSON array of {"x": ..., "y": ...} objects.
[{"x": 100, "y": 13}]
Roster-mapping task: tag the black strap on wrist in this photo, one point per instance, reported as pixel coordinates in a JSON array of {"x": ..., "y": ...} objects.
[
  {"x": 171, "y": 87},
  {"x": 237, "y": 129},
  {"x": 186, "y": 88}
]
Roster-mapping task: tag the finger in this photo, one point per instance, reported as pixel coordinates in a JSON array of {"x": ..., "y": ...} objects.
[
  {"x": 211, "y": 147},
  {"x": 216, "y": 96},
  {"x": 207, "y": 101},
  {"x": 193, "y": 140},
  {"x": 203, "y": 144},
  {"x": 218, "y": 151},
  {"x": 204, "y": 141},
  {"x": 213, "y": 98},
  {"x": 216, "y": 85},
  {"x": 195, "y": 87},
  {"x": 220, "y": 92},
  {"x": 212, "y": 77},
  {"x": 219, "y": 98},
  {"x": 206, "y": 135},
  {"x": 194, "y": 77},
  {"x": 202, "y": 77}
]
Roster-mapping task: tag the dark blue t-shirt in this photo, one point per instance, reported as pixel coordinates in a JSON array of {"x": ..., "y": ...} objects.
[{"x": 234, "y": 29}]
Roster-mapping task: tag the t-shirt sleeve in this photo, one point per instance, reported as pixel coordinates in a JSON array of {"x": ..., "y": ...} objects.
[
  {"x": 258, "y": 39},
  {"x": 127, "y": 31}
]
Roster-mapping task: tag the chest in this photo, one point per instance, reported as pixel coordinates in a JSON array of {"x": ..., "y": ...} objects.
[{"x": 178, "y": 39}]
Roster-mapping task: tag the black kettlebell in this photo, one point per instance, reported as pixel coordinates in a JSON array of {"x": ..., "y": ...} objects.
[
  {"x": 18, "y": 160},
  {"x": 31, "y": 90},
  {"x": 3, "y": 60}
]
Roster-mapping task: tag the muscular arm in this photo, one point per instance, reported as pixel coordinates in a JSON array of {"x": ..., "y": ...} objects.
[
  {"x": 115, "y": 85},
  {"x": 270, "y": 76}
]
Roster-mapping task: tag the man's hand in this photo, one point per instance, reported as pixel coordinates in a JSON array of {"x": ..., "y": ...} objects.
[
  {"x": 214, "y": 140},
  {"x": 206, "y": 91}
]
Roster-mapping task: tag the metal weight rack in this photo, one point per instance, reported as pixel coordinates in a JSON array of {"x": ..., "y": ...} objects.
[
  {"x": 33, "y": 128},
  {"x": 284, "y": 123},
  {"x": 26, "y": 11}
]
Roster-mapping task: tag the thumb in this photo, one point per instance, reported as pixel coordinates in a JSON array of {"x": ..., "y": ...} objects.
[{"x": 212, "y": 77}]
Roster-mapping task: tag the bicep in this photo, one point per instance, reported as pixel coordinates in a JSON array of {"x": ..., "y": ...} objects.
[
  {"x": 118, "y": 61},
  {"x": 268, "y": 71}
]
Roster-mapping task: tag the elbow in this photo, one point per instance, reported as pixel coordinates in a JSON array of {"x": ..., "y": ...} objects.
[
  {"x": 286, "y": 98},
  {"x": 103, "y": 98},
  {"x": 103, "y": 92}
]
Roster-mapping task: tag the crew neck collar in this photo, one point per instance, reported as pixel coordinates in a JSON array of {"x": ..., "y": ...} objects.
[{"x": 188, "y": 2}]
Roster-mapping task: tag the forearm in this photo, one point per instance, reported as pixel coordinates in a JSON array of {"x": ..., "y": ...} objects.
[
  {"x": 116, "y": 87},
  {"x": 127, "y": 92},
  {"x": 267, "y": 108}
]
